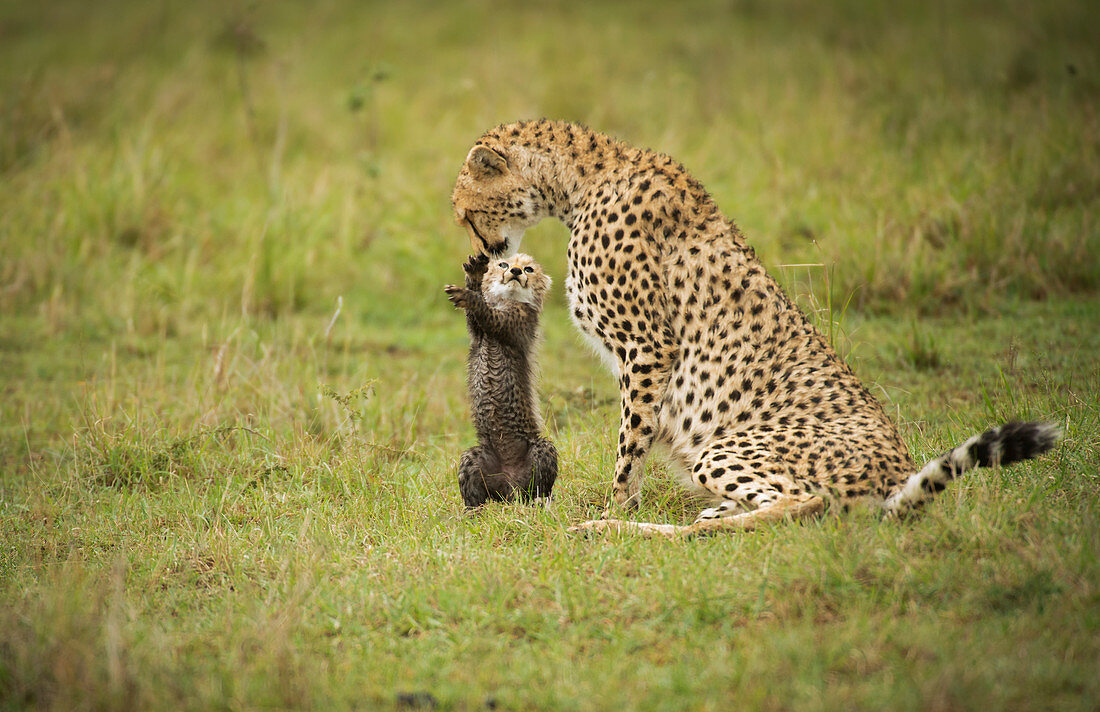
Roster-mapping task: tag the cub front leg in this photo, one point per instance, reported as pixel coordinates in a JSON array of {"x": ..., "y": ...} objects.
[
  {"x": 514, "y": 323},
  {"x": 475, "y": 268}
]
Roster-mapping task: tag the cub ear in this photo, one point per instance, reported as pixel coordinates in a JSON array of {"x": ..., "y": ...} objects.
[{"x": 484, "y": 162}]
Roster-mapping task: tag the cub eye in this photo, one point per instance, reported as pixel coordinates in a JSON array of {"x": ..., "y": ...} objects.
[
  {"x": 528, "y": 269},
  {"x": 503, "y": 265}
]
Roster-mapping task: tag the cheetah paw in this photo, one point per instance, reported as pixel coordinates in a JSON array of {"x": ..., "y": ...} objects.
[
  {"x": 595, "y": 526},
  {"x": 602, "y": 526}
]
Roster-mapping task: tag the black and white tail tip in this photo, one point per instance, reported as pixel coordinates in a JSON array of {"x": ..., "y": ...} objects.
[{"x": 1012, "y": 442}]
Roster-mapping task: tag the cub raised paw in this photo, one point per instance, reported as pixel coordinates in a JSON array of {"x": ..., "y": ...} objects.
[
  {"x": 475, "y": 268},
  {"x": 458, "y": 295}
]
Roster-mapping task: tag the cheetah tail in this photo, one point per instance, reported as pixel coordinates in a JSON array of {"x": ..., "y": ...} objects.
[{"x": 1012, "y": 442}]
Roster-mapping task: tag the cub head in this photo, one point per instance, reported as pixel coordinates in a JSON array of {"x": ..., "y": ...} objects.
[
  {"x": 493, "y": 201},
  {"x": 517, "y": 278}
]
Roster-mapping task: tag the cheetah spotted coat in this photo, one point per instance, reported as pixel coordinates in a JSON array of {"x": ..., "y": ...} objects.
[{"x": 713, "y": 359}]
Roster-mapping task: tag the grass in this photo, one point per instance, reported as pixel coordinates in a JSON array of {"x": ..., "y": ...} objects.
[{"x": 233, "y": 393}]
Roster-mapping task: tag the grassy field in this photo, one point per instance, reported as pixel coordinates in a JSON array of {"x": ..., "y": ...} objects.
[{"x": 233, "y": 391}]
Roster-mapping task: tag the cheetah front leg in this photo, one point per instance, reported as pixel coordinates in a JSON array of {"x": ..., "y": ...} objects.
[{"x": 643, "y": 376}]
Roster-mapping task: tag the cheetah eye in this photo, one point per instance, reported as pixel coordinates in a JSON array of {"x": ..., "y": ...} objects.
[
  {"x": 528, "y": 269},
  {"x": 503, "y": 265}
]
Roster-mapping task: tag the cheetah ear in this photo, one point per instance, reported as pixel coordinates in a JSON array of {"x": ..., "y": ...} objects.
[{"x": 484, "y": 162}]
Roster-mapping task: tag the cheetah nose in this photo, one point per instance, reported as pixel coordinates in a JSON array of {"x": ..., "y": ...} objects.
[{"x": 517, "y": 271}]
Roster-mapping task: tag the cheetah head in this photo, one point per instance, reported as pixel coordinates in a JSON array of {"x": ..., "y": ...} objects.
[
  {"x": 493, "y": 201},
  {"x": 518, "y": 279}
]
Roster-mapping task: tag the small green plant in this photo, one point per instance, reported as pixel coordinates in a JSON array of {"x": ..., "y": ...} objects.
[{"x": 351, "y": 402}]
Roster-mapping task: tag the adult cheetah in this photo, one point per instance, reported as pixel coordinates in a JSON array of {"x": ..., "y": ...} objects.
[{"x": 713, "y": 359}]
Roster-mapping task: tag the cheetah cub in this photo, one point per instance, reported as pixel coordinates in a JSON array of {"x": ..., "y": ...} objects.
[{"x": 502, "y": 304}]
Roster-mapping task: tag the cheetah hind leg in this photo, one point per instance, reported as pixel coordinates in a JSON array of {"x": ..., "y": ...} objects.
[
  {"x": 782, "y": 508},
  {"x": 621, "y": 526},
  {"x": 785, "y": 507}
]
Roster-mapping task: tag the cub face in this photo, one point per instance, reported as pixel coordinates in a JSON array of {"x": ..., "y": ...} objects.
[
  {"x": 518, "y": 278},
  {"x": 494, "y": 204}
]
